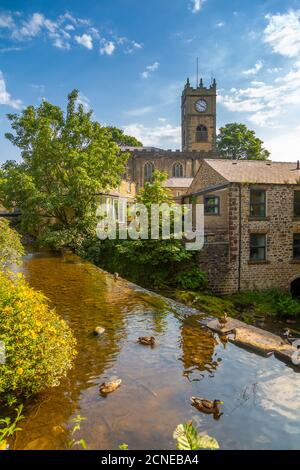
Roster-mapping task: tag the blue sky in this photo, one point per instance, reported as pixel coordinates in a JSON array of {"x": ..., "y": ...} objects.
[{"x": 130, "y": 59}]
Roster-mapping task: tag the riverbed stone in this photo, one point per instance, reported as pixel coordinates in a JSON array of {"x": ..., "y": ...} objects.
[
  {"x": 254, "y": 338},
  {"x": 99, "y": 330}
]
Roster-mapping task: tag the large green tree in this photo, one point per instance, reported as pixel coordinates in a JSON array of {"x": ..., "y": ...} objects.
[
  {"x": 123, "y": 139},
  {"x": 67, "y": 158},
  {"x": 235, "y": 141}
]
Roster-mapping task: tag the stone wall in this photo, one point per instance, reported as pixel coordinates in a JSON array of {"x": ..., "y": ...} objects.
[
  {"x": 279, "y": 270},
  {"x": 226, "y": 255},
  {"x": 164, "y": 161}
]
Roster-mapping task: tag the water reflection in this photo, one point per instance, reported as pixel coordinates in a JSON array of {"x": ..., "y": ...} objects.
[{"x": 261, "y": 395}]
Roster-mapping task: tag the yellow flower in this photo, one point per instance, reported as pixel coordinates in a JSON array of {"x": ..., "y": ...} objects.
[{"x": 20, "y": 371}]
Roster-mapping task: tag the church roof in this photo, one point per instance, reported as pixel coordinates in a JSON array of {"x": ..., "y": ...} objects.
[
  {"x": 255, "y": 171},
  {"x": 178, "y": 183}
]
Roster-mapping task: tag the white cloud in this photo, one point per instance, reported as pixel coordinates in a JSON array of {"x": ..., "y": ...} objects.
[
  {"x": 30, "y": 28},
  {"x": 62, "y": 31},
  {"x": 5, "y": 97},
  {"x": 108, "y": 47},
  {"x": 283, "y": 33},
  {"x": 149, "y": 70},
  {"x": 254, "y": 70},
  {"x": 6, "y": 21},
  {"x": 140, "y": 111},
  {"x": 284, "y": 146},
  {"x": 271, "y": 104},
  {"x": 220, "y": 24},
  {"x": 196, "y": 5},
  {"x": 165, "y": 136},
  {"x": 85, "y": 40}
]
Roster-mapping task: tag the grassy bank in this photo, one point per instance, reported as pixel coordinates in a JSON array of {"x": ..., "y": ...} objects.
[{"x": 246, "y": 306}]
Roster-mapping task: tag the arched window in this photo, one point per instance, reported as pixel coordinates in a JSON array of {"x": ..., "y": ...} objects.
[
  {"x": 201, "y": 133},
  {"x": 177, "y": 170},
  {"x": 148, "y": 172}
]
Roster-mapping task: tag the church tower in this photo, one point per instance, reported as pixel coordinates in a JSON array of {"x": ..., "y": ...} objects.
[{"x": 198, "y": 117}]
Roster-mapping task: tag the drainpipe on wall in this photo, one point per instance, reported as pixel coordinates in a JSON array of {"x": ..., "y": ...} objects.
[{"x": 240, "y": 237}]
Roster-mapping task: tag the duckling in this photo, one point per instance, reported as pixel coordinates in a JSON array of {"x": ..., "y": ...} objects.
[
  {"x": 116, "y": 276},
  {"x": 223, "y": 320},
  {"x": 147, "y": 340},
  {"x": 109, "y": 387},
  {"x": 210, "y": 407}
]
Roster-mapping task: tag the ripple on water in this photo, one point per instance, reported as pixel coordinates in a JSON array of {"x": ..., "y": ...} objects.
[{"x": 262, "y": 396}]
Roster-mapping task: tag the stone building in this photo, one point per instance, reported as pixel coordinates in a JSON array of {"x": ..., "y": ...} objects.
[
  {"x": 252, "y": 224},
  {"x": 198, "y": 124}
]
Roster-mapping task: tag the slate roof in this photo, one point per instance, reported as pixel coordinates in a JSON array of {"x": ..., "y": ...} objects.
[{"x": 255, "y": 171}]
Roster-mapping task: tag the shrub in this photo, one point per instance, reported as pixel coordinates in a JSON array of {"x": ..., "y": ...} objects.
[
  {"x": 11, "y": 249},
  {"x": 286, "y": 305},
  {"x": 39, "y": 345},
  {"x": 192, "y": 279}
]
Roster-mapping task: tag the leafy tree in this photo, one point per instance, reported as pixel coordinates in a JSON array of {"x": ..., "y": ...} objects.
[
  {"x": 122, "y": 139},
  {"x": 235, "y": 141},
  {"x": 66, "y": 159},
  {"x": 148, "y": 262},
  {"x": 154, "y": 192}
]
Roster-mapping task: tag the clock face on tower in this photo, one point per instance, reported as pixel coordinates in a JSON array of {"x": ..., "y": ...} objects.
[{"x": 201, "y": 106}]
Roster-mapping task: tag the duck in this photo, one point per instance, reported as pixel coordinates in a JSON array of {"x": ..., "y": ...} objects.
[
  {"x": 223, "y": 320},
  {"x": 210, "y": 407},
  {"x": 109, "y": 387},
  {"x": 147, "y": 340},
  {"x": 287, "y": 338}
]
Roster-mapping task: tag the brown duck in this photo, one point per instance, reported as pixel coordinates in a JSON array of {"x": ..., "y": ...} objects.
[
  {"x": 210, "y": 407},
  {"x": 109, "y": 387},
  {"x": 223, "y": 320},
  {"x": 147, "y": 340}
]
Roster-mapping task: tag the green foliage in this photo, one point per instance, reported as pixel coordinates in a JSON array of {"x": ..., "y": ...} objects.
[
  {"x": 39, "y": 345},
  {"x": 208, "y": 303},
  {"x": 66, "y": 160},
  {"x": 192, "y": 279},
  {"x": 154, "y": 192},
  {"x": 188, "y": 438},
  {"x": 77, "y": 426},
  {"x": 11, "y": 248},
  {"x": 123, "y": 447},
  {"x": 235, "y": 141},
  {"x": 8, "y": 427},
  {"x": 152, "y": 263},
  {"x": 122, "y": 139},
  {"x": 244, "y": 305}
]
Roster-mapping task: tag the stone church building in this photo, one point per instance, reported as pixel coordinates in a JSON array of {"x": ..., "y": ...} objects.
[
  {"x": 251, "y": 208},
  {"x": 198, "y": 124}
]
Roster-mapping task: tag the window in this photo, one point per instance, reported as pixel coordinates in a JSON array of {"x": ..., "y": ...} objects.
[
  {"x": 296, "y": 246},
  {"x": 258, "y": 203},
  {"x": 177, "y": 170},
  {"x": 212, "y": 205},
  {"x": 297, "y": 203},
  {"x": 258, "y": 247},
  {"x": 148, "y": 172},
  {"x": 201, "y": 134}
]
